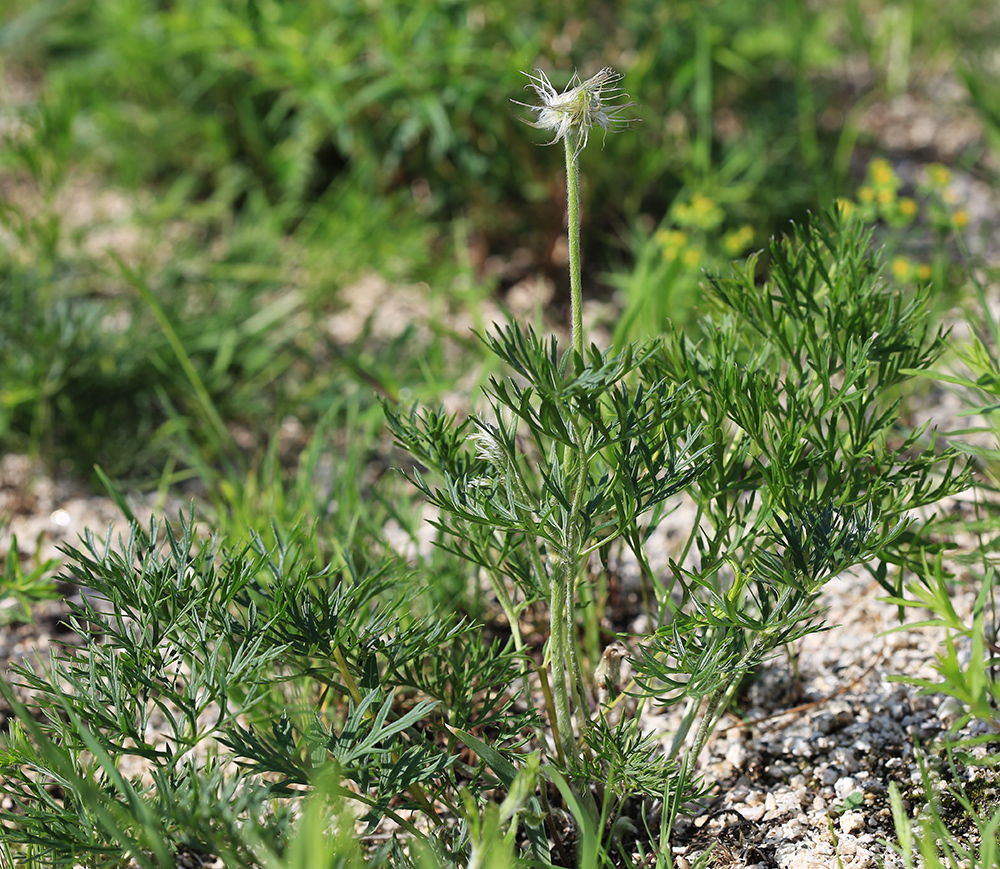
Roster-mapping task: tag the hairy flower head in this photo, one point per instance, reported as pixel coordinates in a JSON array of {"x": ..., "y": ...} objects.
[
  {"x": 580, "y": 107},
  {"x": 488, "y": 445}
]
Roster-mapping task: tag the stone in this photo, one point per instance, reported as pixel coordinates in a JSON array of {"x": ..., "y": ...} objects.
[
  {"x": 852, "y": 822},
  {"x": 845, "y": 786}
]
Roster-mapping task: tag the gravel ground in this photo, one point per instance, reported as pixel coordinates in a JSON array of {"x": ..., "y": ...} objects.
[{"x": 845, "y": 729}]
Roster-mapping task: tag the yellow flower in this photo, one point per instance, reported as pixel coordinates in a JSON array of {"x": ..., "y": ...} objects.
[
  {"x": 866, "y": 194},
  {"x": 881, "y": 173},
  {"x": 672, "y": 241},
  {"x": 924, "y": 271},
  {"x": 844, "y": 207},
  {"x": 939, "y": 175},
  {"x": 960, "y": 218},
  {"x": 901, "y": 268},
  {"x": 885, "y": 195},
  {"x": 700, "y": 211},
  {"x": 738, "y": 240},
  {"x": 671, "y": 238},
  {"x": 907, "y": 207},
  {"x": 701, "y": 203},
  {"x": 692, "y": 256}
]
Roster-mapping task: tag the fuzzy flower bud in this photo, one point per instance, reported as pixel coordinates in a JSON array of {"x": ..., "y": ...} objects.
[
  {"x": 608, "y": 674},
  {"x": 578, "y": 108},
  {"x": 488, "y": 445}
]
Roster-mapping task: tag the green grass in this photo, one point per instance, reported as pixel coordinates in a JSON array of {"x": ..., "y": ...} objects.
[{"x": 256, "y": 161}]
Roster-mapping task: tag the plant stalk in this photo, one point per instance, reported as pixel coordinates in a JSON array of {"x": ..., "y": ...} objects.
[
  {"x": 563, "y": 581},
  {"x": 559, "y": 604},
  {"x": 571, "y": 142}
]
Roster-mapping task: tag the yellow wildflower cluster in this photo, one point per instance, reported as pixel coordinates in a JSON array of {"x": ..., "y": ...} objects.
[
  {"x": 880, "y": 196},
  {"x": 738, "y": 241},
  {"x": 939, "y": 176},
  {"x": 700, "y": 212},
  {"x": 878, "y": 200},
  {"x": 671, "y": 242},
  {"x": 904, "y": 269},
  {"x": 676, "y": 246},
  {"x": 943, "y": 199}
]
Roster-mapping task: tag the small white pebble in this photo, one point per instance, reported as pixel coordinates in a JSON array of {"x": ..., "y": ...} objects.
[
  {"x": 863, "y": 859},
  {"x": 829, "y": 775},
  {"x": 845, "y": 758},
  {"x": 801, "y": 747},
  {"x": 852, "y": 822},
  {"x": 845, "y": 786},
  {"x": 61, "y": 518},
  {"x": 736, "y": 753}
]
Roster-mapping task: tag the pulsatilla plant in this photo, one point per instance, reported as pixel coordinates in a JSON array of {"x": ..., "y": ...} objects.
[
  {"x": 602, "y": 447},
  {"x": 597, "y": 453},
  {"x": 779, "y": 422}
]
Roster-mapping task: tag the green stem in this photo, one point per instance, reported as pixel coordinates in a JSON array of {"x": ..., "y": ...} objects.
[
  {"x": 345, "y": 674},
  {"x": 576, "y": 671},
  {"x": 690, "y": 713},
  {"x": 716, "y": 703},
  {"x": 550, "y": 709},
  {"x": 567, "y": 678},
  {"x": 510, "y": 612},
  {"x": 719, "y": 699},
  {"x": 573, "y": 231},
  {"x": 562, "y": 582},
  {"x": 701, "y": 152},
  {"x": 203, "y": 401},
  {"x": 563, "y": 659}
]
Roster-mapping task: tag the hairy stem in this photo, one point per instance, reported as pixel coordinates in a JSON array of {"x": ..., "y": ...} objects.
[
  {"x": 573, "y": 232},
  {"x": 716, "y": 702},
  {"x": 567, "y": 678},
  {"x": 562, "y": 583},
  {"x": 563, "y": 580}
]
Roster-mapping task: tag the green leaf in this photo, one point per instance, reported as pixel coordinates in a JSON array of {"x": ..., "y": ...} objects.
[{"x": 505, "y": 770}]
